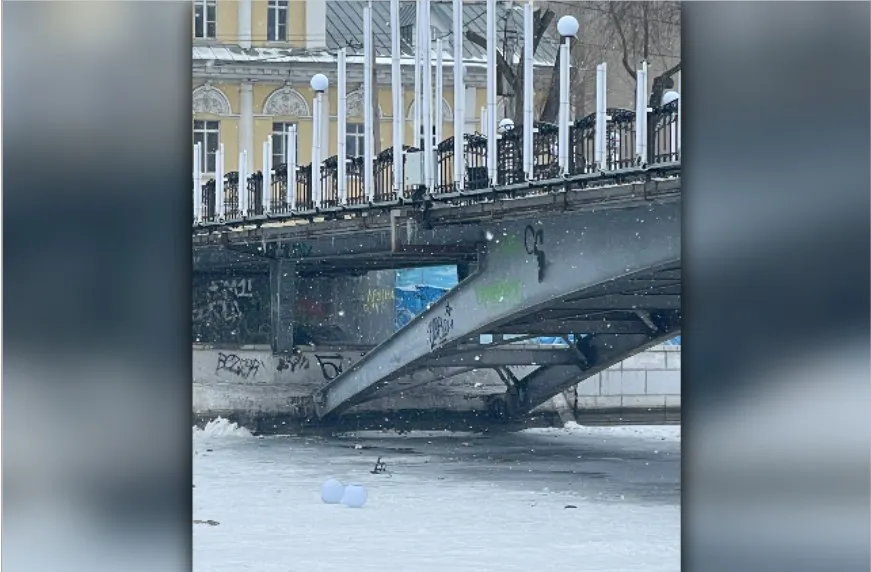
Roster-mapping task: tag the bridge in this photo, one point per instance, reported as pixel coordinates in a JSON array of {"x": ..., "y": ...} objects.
[{"x": 581, "y": 250}]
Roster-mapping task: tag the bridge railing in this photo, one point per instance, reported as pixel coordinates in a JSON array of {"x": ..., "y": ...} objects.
[{"x": 663, "y": 146}]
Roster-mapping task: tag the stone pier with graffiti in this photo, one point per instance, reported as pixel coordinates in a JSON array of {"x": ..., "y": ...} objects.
[{"x": 299, "y": 323}]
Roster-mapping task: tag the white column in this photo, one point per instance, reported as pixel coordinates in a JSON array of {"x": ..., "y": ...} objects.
[
  {"x": 398, "y": 111},
  {"x": 528, "y": 93},
  {"x": 325, "y": 125},
  {"x": 439, "y": 92},
  {"x": 290, "y": 161},
  {"x": 679, "y": 116},
  {"x": 244, "y": 24},
  {"x": 429, "y": 153},
  {"x": 244, "y": 173},
  {"x": 246, "y": 123},
  {"x": 341, "y": 137},
  {"x": 368, "y": 120},
  {"x": 219, "y": 182},
  {"x": 459, "y": 99},
  {"x": 418, "y": 59},
  {"x": 317, "y": 132},
  {"x": 600, "y": 141},
  {"x": 198, "y": 182},
  {"x": 492, "y": 166},
  {"x": 470, "y": 105},
  {"x": 315, "y": 24},
  {"x": 563, "y": 147},
  {"x": 266, "y": 196},
  {"x": 641, "y": 114}
]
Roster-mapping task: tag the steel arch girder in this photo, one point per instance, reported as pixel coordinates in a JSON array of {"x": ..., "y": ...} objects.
[{"x": 526, "y": 265}]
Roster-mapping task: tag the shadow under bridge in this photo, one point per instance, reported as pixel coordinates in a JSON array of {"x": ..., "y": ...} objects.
[{"x": 610, "y": 278}]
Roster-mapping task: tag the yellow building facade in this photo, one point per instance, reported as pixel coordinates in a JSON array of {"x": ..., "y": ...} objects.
[{"x": 252, "y": 64}]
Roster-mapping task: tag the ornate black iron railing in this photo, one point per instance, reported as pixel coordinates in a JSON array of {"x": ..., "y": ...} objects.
[{"x": 619, "y": 152}]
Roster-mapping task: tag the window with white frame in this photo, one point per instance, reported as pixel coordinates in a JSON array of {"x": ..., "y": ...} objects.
[
  {"x": 281, "y": 132},
  {"x": 276, "y": 25},
  {"x": 208, "y": 135},
  {"x": 354, "y": 140},
  {"x": 205, "y": 19}
]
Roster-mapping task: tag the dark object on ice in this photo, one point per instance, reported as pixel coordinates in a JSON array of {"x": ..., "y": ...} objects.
[
  {"x": 380, "y": 467},
  {"x": 570, "y": 506},
  {"x": 209, "y": 522}
]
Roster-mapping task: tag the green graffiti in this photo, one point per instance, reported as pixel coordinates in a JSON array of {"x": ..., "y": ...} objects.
[
  {"x": 507, "y": 291},
  {"x": 510, "y": 245}
]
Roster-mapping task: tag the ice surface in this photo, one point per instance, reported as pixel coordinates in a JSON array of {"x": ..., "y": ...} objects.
[{"x": 448, "y": 502}]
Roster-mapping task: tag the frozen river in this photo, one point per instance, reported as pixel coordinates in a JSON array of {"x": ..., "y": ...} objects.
[{"x": 579, "y": 498}]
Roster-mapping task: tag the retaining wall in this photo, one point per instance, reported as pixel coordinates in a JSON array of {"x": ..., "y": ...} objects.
[{"x": 267, "y": 392}]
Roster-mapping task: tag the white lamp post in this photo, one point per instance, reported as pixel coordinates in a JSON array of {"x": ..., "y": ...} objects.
[
  {"x": 568, "y": 28},
  {"x": 319, "y": 85}
]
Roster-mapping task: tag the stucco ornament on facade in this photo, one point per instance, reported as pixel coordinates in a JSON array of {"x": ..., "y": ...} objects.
[
  {"x": 447, "y": 112},
  {"x": 354, "y": 103},
  {"x": 209, "y": 99},
  {"x": 286, "y": 101}
]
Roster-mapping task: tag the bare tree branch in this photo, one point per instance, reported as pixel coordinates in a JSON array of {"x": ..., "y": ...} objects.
[{"x": 616, "y": 20}]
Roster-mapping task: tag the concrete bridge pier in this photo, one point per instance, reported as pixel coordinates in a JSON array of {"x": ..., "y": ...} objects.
[{"x": 282, "y": 299}]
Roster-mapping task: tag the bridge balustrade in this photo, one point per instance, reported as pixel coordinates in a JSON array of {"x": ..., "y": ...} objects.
[
  {"x": 664, "y": 128},
  {"x": 619, "y": 153}
]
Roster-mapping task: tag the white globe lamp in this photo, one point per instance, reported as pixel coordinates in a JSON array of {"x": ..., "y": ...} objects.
[
  {"x": 506, "y": 125},
  {"x": 355, "y": 496},
  {"x": 320, "y": 82},
  {"x": 670, "y": 96},
  {"x": 332, "y": 491},
  {"x": 568, "y": 26}
]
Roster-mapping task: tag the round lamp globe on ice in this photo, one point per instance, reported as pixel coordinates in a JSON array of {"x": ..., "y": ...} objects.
[{"x": 332, "y": 491}]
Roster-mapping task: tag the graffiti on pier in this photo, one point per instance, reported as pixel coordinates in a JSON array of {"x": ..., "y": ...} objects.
[
  {"x": 533, "y": 240},
  {"x": 504, "y": 291},
  {"x": 242, "y": 367},
  {"x": 377, "y": 299},
  {"x": 440, "y": 327},
  {"x": 331, "y": 365},
  {"x": 295, "y": 363},
  {"x": 230, "y": 309}
]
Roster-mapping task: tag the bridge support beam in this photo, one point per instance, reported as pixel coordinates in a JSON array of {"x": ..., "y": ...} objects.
[
  {"x": 529, "y": 266},
  {"x": 282, "y": 297}
]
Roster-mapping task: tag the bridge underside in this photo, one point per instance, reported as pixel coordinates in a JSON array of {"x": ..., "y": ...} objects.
[{"x": 609, "y": 278}]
